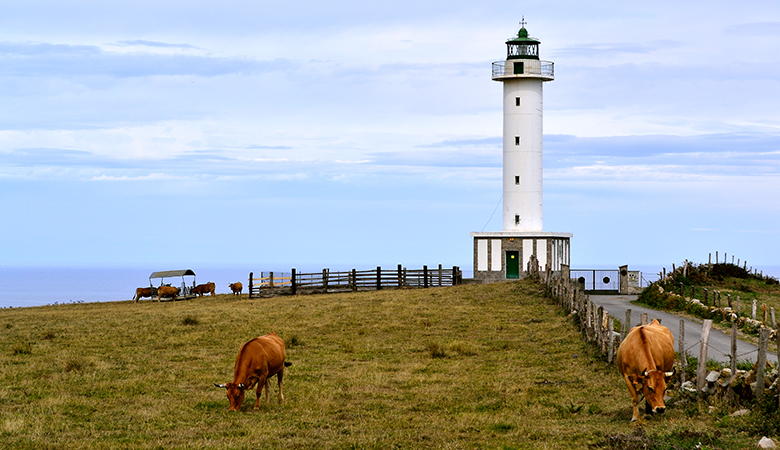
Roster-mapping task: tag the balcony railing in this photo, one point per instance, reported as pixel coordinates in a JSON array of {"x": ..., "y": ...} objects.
[{"x": 546, "y": 69}]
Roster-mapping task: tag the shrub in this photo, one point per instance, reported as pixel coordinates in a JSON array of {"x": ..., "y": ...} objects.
[
  {"x": 190, "y": 320},
  {"x": 436, "y": 351},
  {"x": 22, "y": 349}
]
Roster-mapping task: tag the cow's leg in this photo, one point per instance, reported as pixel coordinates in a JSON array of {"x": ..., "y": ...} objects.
[
  {"x": 262, "y": 382},
  {"x": 279, "y": 383},
  {"x": 634, "y": 398}
]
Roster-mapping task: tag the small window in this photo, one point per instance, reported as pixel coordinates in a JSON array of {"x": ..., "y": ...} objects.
[
  {"x": 517, "y": 101},
  {"x": 517, "y": 219},
  {"x": 517, "y": 179},
  {"x": 517, "y": 140}
]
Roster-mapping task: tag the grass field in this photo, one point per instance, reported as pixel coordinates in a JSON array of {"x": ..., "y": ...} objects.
[{"x": 460, "y": 367}]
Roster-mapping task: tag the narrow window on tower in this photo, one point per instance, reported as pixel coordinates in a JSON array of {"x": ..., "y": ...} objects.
[
  {"x": 517, "y": 219},
  {"x": 517, "y": 140},
  {"x": 517, "y": 179},
  {"x": 517, "y": 101}
]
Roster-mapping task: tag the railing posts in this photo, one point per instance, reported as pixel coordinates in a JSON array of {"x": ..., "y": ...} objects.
[
  {"x": 378, "y": 278},
  {"x": 400, "y": 276},
  {"x": 251, "y": 275},
  {"x": 439, "y": 275},
  {"x": 271, "y": 279},
  {"x": 325, "y": 279},
  {"x": 763, "y": 340},
  {"x": 354, "y": 280},
  {"x": 425, "y": 276},
  {"x": 293, "y": 286}
]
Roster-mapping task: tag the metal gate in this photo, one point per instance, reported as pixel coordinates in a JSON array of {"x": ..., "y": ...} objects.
[{"x": 597, "y": 281}]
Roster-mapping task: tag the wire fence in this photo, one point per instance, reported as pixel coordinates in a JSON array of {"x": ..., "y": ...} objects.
[{"x": 599, "y": 329}]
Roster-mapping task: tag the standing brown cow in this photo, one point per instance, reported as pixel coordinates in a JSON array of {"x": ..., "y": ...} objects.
[
  {"x": 207, "y": 288},
  {"x": 167, "y": 292},
  {"x": 236, "y": 288},
  {"x": 646, "y": 359},
  {"x": 257, "y": 361},
  {"x": 145, "y": 292}
]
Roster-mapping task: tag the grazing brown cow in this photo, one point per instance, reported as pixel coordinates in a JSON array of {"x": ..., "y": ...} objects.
[
  {"x": 204, "y": 288},
  {"x": 257, "y": 361},
  {"x": 145, "y": 292},
  {"x": 167, "y": 292},
  {"x": 236, "y": 287},
  {"x": 646, "y": 360}
]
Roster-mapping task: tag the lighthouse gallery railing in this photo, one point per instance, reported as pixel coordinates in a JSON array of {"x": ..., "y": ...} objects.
[{"x": 546, "y": 68}]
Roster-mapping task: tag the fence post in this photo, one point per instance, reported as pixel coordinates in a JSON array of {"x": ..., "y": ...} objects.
[
  {"x": 293, "y": 285},
  {"x": 271, "y": 279},
  {"x": 610, "y": 339},
  {"x": 353, "y": 275},
  {"x": 701, "y": 372},
  {"x": 706, "y": 296},
  {"x": 763, "y": 338},
  {"x": 626, "y": 325},
  {"x": 439, "y": 275},
  {"x": 728, "y": 298},
  {"x": 733, "y": 348},
  {"x": 378, "y": 278},
  {"x": 325, "y": 279},
  {"x": 250, "y": 283},
  {"x": 599, "y": 328},
  {"x": 644, "y": 318},
  {"x": 400, "y": 278},
  {"x": 755, "y": 306},
  {"x": 425, "y": 276},
  {"x": 681, "y": 351},
  {"x": 774, "y": 323}
]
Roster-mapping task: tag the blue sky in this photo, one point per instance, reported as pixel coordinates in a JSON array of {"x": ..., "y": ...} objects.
[{"x": 257, "y": 133}]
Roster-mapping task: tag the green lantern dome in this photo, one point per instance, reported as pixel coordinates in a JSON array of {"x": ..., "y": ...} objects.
[{"x": 523, "y": 46}]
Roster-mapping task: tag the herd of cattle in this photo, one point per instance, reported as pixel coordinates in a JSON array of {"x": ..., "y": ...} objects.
[{"x": 168, "y": 291}]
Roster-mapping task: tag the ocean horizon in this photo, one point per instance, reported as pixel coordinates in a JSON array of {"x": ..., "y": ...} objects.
[{"x": 40, "y": 286}]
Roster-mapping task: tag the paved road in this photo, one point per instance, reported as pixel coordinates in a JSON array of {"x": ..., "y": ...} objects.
[{"x": 720, "y": 343}]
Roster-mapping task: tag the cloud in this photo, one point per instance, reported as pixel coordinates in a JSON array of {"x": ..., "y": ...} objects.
[
  {"x": 26, "y": 59},
  {"x": 611, "y": 49},
  {"x": 759, "y": 29},
  {"x": 144, "y": 43}
]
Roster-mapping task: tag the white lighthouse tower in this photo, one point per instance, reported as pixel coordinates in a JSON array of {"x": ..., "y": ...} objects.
[{"x": 507, "y": 253}]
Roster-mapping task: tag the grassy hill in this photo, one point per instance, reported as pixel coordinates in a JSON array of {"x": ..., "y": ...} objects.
[{"x": 467, "y": 366}]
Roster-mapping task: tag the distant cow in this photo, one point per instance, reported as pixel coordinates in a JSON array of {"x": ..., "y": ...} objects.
[
  {"x": 257, "y": 361},
  {"x": 236, "y": 287},
  {"x": 204, "y": 288},
  {"x": 646, "y": 359},
  {"x": 144, "y": 292},
  {"x": 167, "y": 292}
]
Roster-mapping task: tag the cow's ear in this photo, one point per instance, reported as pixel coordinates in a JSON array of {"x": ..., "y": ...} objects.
[{"x": 221, "y": 386}]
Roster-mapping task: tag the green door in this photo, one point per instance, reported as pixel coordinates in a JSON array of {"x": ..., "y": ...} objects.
[{"x": 512, "y": 264}]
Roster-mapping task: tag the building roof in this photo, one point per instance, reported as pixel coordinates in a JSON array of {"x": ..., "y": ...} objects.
[{"x": 172, "y": 273}]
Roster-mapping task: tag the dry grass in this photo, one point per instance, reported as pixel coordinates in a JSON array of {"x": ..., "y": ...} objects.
[{"x": 462, "y": 367}]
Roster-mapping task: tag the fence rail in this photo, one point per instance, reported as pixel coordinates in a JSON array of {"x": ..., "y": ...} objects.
[{"x": 352, "y": 280}]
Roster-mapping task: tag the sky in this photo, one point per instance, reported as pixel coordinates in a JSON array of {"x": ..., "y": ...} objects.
[{"x": 177, "y": 134}]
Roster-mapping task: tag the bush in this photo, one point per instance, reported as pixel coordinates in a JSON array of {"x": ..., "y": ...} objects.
[{"x": 190, "y": 321}]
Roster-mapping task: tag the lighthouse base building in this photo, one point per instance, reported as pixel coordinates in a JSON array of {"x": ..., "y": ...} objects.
[
  {"x": 503, "y": 255},
  {"x": 522, "y": 246}
]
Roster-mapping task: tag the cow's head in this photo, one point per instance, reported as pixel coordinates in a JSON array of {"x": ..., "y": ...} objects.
[
  {"x": 235, "y": 394},
  {"x": 653, "y": 385}
]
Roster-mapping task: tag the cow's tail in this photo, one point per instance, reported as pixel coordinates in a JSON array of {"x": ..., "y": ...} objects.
[{"x": 287, "y": 364}]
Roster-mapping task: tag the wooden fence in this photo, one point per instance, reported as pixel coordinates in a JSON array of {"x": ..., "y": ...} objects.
[
  {"x": 599, "y": 328},
  {"x": 352, "y": 280}
]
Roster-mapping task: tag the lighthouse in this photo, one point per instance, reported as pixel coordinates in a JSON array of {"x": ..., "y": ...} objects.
[{"x": 506, "y": 254}]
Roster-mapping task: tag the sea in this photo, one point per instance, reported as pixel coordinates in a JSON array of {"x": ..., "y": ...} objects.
[{"x": 38, "y": 286}]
